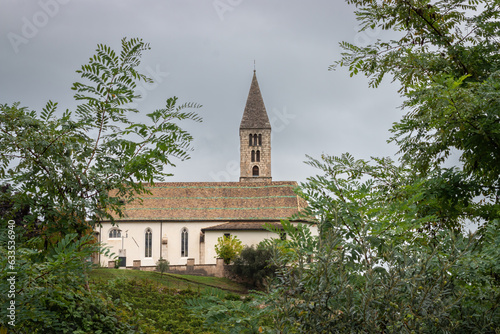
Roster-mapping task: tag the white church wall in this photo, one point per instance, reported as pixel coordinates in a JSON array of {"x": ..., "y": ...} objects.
[
  {"x": 134, "y": 244},
  {"x": 135, "y": 247},
  {"x": 248, "y": 238}
]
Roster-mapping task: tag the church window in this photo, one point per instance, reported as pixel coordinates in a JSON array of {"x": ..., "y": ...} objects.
[
  {"x": 255, "y": 171},
  {"x": 260, "y": 140},
  {"x": 184, "y": 242},
  {"x": 250, "y": 140},
  {"x": 254, "y": 140},
  {"x": 253, "y": 156},
  {"x": 115, "y": 233},
  {"x": 148, "y": 243},
  {"x": 257, "y": 156},
  {"x": 227, "y": 235}
]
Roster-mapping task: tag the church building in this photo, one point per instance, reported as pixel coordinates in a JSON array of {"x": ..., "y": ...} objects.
[{"x": 183, "y": 220}]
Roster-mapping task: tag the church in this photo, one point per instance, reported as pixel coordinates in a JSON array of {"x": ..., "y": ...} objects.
[{"x": 178, "y": 221}]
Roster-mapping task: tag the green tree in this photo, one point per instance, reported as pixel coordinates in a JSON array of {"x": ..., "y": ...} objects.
[
  {"x": 162, "y": 265},
  {"x": 228, "y": 247},
  {"x": 68, "y": 171},
  {"x": 80, "y": 167},
  {"x": 375, "y": 267},
  {"x": 254, "y": 265},
  {"x": 446, "y": 61}
]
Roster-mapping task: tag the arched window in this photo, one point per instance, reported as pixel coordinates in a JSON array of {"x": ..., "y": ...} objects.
[
  {"x": 148, "y": 243},
  {"x": 255, "y": 171},
  {"x": 184, "y": 242},
  {"x": 254, "y": 140},
  {"x": 253, "y": 156},
  {"x": 115, "y": 233},
  {"x": 250, "y": 140},
  {"x": 260, "y": 140},
  {"x": 257, "y": 156}
]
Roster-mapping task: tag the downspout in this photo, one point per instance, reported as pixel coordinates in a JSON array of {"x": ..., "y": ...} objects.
[{"x": 100, "y": 233}]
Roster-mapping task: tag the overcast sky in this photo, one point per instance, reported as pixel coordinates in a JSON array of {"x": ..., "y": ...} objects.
[{"x": 204, "y": 52}]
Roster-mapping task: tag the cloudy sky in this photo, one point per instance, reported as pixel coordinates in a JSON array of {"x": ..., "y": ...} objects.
[{"x": 204, "y": 52}]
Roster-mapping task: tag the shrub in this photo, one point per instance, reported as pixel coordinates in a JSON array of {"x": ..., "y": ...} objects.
[
  {"x": 253, "y": 265},
  {"x": 162, "y": 265},
  {"x": 228, "y": 247}
]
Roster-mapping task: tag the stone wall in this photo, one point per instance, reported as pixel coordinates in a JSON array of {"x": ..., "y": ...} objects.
[{"x": 215, "y": 270}]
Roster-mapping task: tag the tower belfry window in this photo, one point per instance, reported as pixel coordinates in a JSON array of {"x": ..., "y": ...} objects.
[
  {"x": 255, "y": 171},
  {"x": 257, "y": 156},
  {"x": 250, "y": 140},
  {"x": 253, "y": 155},
  {"x": 254, "y": 140},
  {"x": 260, "y": 140}
]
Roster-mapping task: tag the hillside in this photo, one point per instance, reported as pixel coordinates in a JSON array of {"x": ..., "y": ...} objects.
[{"x": 155, "y": 302}]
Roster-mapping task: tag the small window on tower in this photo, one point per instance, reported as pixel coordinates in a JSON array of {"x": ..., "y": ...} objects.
[
  {"x": 253, "y": 156},
  {"x": 250, "y": 140},
  {"x": 254, "y": 140},
  {"x": 257, "y": 156},
  {"x": 255, "y": 171},
  {"x": 260, "y": 140}
]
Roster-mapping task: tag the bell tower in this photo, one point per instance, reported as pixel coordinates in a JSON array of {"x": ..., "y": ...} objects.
[{"x": 255, "y": 138}]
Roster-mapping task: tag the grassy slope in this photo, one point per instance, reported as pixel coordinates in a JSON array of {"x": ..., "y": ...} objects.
[
  {"x": 156, "y": 303},
  {"x": 175, "y": 281}
]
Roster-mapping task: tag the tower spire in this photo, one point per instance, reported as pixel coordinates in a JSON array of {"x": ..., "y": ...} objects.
[
  {"x": 255, "y": 138},
  {"x": 255, "y": 114}
]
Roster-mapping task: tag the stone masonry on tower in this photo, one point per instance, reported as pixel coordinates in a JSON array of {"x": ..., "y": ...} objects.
[{"x": 255, "y": 138}]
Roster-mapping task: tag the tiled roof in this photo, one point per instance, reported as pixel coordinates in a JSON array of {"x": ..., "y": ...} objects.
[
  {"x": 216, "y": 201},
  {"x": 241, "y": 226},
  {"x": 255, "y": 115}
]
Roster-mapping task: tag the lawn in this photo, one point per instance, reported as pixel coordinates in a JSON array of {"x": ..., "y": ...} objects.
[{"x": 175, "y": 281}]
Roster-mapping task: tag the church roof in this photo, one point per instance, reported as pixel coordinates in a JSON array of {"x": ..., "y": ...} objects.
[
  {"x": 241, "y": 226},
  {"x": 216, "y": 201},
  {"x": 255, "y": 115}
]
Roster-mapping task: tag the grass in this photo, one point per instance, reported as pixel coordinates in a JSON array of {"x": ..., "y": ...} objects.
[
  {"x": 157, "y": 303},
  {"x": 171, "y": 281}
]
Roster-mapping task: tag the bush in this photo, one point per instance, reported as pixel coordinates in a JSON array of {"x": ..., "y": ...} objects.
[
  {"x": 162, "y": 265},
  {"x": 253, "y": 265},
  {"x": 228, "y": 247}
]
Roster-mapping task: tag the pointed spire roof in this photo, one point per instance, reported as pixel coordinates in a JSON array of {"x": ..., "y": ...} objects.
[{"x": 255, "y": 115}]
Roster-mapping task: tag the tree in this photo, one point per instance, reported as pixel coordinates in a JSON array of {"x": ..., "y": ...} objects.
[
  {"x": 391, "y": 255},
  {"x": 162, "y": 265},
  {"x": 446, "y": 60},
  {"x": 68, "y": 171},
  {"x": 254, "y": 264},
  {"x": 68, "y": 166},
  {"x": 228, "y": 247},
  {"x": 375, "y": 267}
]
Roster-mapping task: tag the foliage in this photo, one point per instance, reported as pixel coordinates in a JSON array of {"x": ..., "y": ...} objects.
[
  {"x": 373, "y": 268},
  {"x": 62, "y": 173},
  {"x": 162, "y": 265},
  {"x": 391, "y": 255},
  {"x": 228, "y": 247},
  {"x": 66, "y": 166},
  {"x": 52, "y": 288},
  {"x": 446, "y": 60},
  {"x": 254, "y": 265},
  {"x": 227, "y": 315}
]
